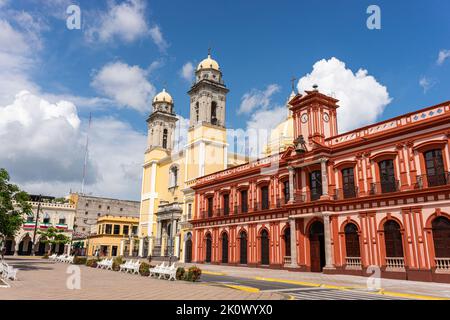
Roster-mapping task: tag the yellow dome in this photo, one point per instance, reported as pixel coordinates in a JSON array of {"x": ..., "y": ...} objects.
[
  {"x": 281, "y": 137},
  {"x": 208, "y": 63},
  {"x": 163, "y": 96}
]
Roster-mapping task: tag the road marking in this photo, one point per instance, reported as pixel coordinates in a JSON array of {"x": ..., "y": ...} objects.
[
  {"x": 243, "y": 288},
  {"x": 336, "y": 294},
  {"x": 213, "y": 273},
  {"x": 301, "y": 283},
  {"x": 409, "y": 295}
]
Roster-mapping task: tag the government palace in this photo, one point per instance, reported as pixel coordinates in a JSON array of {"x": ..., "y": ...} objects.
[{"x": 375, "y": 198}]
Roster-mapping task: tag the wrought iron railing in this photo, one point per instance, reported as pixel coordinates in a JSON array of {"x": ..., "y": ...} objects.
[
  {"x": 384, "y": 187},
  {"x": 346, "y": 193}
]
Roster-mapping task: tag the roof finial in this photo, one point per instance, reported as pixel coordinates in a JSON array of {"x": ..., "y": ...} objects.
[
  {"x": 315, "y": 86},
  {"x": 209, "y": 51},
  {"x": 293, "y": 82}
]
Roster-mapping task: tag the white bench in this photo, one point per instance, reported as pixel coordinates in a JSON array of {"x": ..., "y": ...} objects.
[
  {"x": 8, "y": 272},
  {"x": 163, "y": 271},
  {"x": 130, "y": 266},
  {"x": 53, "y": 257},
  {"x": 105, "y": 264}
]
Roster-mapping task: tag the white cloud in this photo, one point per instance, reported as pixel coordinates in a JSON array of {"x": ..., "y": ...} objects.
[
  {"x": 127, "y": 85},
  {"x": 158, "y": 38},
  {"x": 257, "y": 99},
  {"x": 43, "y": 149},
  {"x": 124, "y": 21},
  {"x": 362, "y": 98},
  {"x": 426, "y": 83},
  {"x": 443, "y": 55},
  {"x": 187, "y": 71}
]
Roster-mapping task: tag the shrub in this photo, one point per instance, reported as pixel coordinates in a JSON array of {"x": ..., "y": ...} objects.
[
  {"x": 117, "y": 262},
  {"x": 144, "y": 269},
  {"x": 45, "y": 256},
  {"x": 79, "y": 260},
  {"x": 180, "y": 273},
  {"x": 91, "y": 263},
  {"x": 193, "y": 274}
]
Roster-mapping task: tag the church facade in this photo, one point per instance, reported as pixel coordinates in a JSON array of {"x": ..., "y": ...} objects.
[
  {"x": 375, "y": 199},
  {"x": 167, "y": 199}
]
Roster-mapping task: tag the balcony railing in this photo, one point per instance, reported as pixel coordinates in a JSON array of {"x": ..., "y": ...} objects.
[
  {"x": 384, "y": 187},
  {"x": 442, "y": 265},
  {"x": 428, "y": 180},
  {"x": 346, "y": 193},
  {"x": 287, "y": 260},
  {"x": 353, "y": 263},
  {"x": 395, "y": 264}
]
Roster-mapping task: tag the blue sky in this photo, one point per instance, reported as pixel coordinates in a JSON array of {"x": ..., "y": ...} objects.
[{"x": 257, "y": 44}]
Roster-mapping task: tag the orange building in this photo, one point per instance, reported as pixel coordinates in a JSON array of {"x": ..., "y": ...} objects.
[{"x": 336, "y": 203}]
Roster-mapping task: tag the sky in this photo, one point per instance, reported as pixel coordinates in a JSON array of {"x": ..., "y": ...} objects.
[{"x": 52, "y": 77}]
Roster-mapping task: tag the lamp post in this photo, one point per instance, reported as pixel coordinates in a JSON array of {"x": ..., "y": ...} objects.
[{"x": 36, "y": 225}]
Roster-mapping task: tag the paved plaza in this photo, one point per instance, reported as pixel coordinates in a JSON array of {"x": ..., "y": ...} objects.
[{"x": 43, "y": 280}]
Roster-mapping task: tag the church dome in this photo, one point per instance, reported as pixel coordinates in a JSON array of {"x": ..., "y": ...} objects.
[
  {"x": 208, "y": 63},
  {"x": 163, "y": 96}
]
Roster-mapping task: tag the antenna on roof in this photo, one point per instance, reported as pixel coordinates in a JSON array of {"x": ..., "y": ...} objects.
[{"x": 86, "y": 154}]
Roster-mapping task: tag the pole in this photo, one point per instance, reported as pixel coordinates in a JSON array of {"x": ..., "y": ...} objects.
[
  {"x": 86, "y": 155},
  {"x": 36, "y": 224}
]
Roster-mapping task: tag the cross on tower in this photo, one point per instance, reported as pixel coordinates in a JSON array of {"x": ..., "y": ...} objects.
[{"x": 293, "y": 83}]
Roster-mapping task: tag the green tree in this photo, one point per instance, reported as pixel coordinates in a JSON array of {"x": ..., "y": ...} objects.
[
  {"x": 53, "y": 236},
  {"x": 14, "y": 206}
]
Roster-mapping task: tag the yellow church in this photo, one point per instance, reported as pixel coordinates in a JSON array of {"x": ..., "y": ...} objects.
[{"x": 167, "y": 201}]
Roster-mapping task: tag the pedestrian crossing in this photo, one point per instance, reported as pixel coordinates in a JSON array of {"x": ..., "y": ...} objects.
[{"x": 334, "y": 294}]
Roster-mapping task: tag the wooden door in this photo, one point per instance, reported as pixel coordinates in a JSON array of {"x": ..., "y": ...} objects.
[
  {"x": 264, "y": 248},
  {"x": 188, "y": 251},
  {"x": 225, "y": 248},
  {"x": 208, "y": 249},
  {"x": 243, "y": 247}
]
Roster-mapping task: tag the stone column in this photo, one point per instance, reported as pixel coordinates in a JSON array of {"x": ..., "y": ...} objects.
[
  {"x": 293, "y": 229},
  {"x": 323, "y": 168},
  {"x": 291, "y": 184},
  {"x": 121, "y": 247},
  {"x": 141, "y": 247},
  {"x": 150, "y": 246},
  {"x": 176, "y": 251},
  {"x": 329, "y": 263},
  {"x": 130, "y": 252}
]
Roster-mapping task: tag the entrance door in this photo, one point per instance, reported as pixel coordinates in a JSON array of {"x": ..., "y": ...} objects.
[
  {"x": 41, "y": 250},
  {"x": 208, "y": 248},
  {"x": 264, "y": 247},
  {"x": 188, "y": 251},
  {"x": 9, "y": 247},
  {"x": 317, "y": 246},
  {"x": 243, "y": 247},
  {"x": 225, "y": 248}
]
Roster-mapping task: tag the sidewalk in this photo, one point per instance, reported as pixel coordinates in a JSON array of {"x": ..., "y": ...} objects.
[{"x": 389, "y": 286}]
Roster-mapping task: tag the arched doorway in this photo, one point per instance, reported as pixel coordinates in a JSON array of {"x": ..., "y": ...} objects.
[
  {"x": 41, "y": 247},
  {"x": 243, "y": 247},
  {"x": 224, "y": 247},
  {"x": 352, "y": 241},
  {"x": 265, "y": 247},
  {"x": 393, "y": 239},
  {"x": 287, "y": 242},
  {"x": 208, "y": 248},
  {"x": 441, "y": 237},
  {"x": 317, "y": 246},
  {"x": 188, "y": 249},
  {"x": 25, "y": 246}
]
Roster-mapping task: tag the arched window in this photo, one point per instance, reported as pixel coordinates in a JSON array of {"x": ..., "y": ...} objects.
[
  {"x": 264, "y": 247},
  {"x": 62, "y": 220},
  {"x": 441, "y": 237},
  {"x": 243, "y": 247},
  {"x": 287, "y": 242},
  {"x": 393, "y": 239},
  {"x": 264, "y": 197},
  {"x": 46, "y": 219},
  {"x": 348, "y": 183},
  {"x": 213, "y": 112},
  {"x": 434, "y": 164},
  {"x": 208, "y": 245},
  {"x": 387, "y": 176},
  {"x": 173, "y": 176},
  {"x": 352, "y": 241},
  {"x": 224, "y": 247},
  {"x": 315, "y": 184},
  {"x": 164, "y": 143},
  {"x": 197, "y": 112}
]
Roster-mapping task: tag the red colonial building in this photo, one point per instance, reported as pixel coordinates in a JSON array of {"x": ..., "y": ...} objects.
[{"x": 336, "y": 203}]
